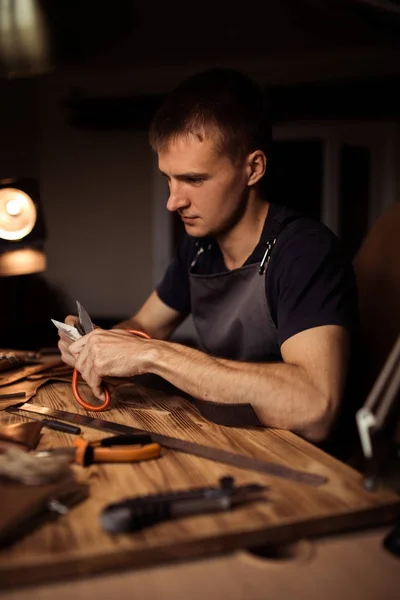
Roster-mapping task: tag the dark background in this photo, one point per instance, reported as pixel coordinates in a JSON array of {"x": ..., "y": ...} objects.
[{"x": 78, "y": 128}]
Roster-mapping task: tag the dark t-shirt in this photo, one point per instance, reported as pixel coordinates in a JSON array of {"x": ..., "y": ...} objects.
[{"x": 308, "y": 282}]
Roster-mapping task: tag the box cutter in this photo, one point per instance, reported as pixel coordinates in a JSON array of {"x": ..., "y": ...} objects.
[
  {"x": 83, "y": 327},
  {"x": 134, "y": 514},
  {"x": 116, "y": 449}
]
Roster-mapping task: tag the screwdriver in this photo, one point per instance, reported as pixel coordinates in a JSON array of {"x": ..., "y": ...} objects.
[{"x": 56, "y": 425}]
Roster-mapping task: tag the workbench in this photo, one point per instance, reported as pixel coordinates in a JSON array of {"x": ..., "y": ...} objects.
[{"x": 301, "y": 540}]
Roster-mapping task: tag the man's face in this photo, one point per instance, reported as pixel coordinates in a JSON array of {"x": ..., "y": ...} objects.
[{"x": 206, "y": 188}]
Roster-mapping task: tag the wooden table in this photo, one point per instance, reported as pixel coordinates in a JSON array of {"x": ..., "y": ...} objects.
[{"x": 207, "y": 555}]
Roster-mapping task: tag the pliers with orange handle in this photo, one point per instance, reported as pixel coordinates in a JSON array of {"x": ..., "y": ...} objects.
[{"x": 116, "y": 449}]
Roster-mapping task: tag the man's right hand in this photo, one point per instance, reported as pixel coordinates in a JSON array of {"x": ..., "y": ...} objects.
[{"x": 64, "y": 342}]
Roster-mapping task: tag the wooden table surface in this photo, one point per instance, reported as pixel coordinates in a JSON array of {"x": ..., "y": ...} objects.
[
  {"x": 182, "y": 557},
  {"x": 346, "y": 567}
]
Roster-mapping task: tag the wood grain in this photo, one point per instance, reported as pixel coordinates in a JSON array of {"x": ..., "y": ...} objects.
[{"x": 76, "y": 545}]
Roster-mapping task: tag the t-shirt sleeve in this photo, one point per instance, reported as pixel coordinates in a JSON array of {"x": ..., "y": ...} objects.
[
  {"x": 174, "y": 288},
  {"x": 311, "y": 284}
]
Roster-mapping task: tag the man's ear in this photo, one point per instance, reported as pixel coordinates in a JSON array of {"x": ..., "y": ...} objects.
[{"x": 256, "y": 165}]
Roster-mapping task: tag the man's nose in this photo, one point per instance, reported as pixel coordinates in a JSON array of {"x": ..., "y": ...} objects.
[{"x": 176, "y": 200}]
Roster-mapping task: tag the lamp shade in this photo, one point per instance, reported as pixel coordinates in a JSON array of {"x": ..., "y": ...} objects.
[
  {"x": 25, "y": 45},
  {"x": 22, "y": 228}
]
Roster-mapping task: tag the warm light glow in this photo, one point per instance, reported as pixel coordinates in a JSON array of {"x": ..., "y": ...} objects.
[
  {"x": 14, "y": 206},
  {"x": 22, "y": 262},
  {"x": 17, "y": 214}
]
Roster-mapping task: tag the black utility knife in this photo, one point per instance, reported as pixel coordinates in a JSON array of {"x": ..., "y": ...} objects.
[{"x": 134, "y": 514}]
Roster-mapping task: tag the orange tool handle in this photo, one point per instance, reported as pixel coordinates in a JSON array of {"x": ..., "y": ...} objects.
[
  {"x": 86, "y": 454},
  {"x": 126, "y": 453},
  {"x": 107, "y": 397}
]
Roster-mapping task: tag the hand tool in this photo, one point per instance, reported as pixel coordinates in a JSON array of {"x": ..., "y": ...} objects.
[
  {"x": 127, "y": 448},
  {"x": 83, "y": 327},
  {"x": 10, "y": 395},
  {"x": 56, "y": 425},
  {"x": 223, "y": 456},
  {"x": 134, "y": 514}
]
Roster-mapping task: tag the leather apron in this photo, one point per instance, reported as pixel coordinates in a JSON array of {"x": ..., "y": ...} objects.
[{"x": 231, "y": 314}]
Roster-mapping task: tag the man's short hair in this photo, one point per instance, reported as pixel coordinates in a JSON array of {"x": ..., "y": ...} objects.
[{"x": 219, "y": 104}]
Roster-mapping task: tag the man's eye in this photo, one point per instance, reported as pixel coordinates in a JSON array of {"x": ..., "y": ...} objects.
[{"x": 193, "y": 180}]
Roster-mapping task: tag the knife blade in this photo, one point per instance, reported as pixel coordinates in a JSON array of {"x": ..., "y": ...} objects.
[
  {"x": 84, "y": 318},
  {"x": 71, "y": 332}
]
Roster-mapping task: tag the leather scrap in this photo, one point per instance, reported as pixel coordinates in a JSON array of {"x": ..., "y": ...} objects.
[
  {"x": 62, "y": 371},
  {"x": 29, "y": 387},
  {"x": 22, "y": 373},
  {"x": 22, "y": 435},
  {"x": 25, "y": 507},
  {"x": 229, "y": 415}
]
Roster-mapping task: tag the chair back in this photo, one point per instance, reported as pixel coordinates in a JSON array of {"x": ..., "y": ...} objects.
[{"x": 377, "y": 269}]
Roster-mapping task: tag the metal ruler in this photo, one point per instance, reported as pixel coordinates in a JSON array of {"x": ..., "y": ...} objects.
[{"x": 216, "y": 454}]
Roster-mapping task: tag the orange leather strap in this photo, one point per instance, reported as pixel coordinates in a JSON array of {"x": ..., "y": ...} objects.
[{"x": 107, "y": 396}]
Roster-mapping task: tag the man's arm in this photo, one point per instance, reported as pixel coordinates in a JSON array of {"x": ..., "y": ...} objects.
[
  {"x": 301, "y": 394},
  {"x": 155, "y": 318}
]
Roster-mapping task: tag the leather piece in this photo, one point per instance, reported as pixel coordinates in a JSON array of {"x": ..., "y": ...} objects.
[
  {"x": 19, "y": 374},
  {"x": 29, "y": 387},
  {"x": 62, "y": 371},
  {"x": 26, "y": 435},
  {"x": 229, "y": 415},
  {"x": 24, "y": 507}
]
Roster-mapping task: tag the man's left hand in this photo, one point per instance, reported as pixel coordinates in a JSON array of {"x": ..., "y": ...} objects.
[{"x": 114, "y": 353}]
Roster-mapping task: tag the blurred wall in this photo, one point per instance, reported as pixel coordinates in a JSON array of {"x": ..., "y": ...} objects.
[
  {"x": 96, "y": 188},
  {"x": 18, "y": 129}
]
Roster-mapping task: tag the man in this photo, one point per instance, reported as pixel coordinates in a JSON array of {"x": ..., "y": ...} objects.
[{"x": 273, "y": 301}]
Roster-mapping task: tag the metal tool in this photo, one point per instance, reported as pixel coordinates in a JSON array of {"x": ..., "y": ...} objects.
[
  {"x": 216, "y": 454},
  {"x": 134, "y": 514},
  {"x": 83, "y": 327},
  {"x": 69, "y": 331},
  {"x": 11, "y": 395},
  {"x": 120, "y": 448},
  {"x": 51, "y": 424}
]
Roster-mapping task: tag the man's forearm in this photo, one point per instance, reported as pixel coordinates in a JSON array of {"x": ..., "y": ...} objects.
[{"x": 281, "y": 394}]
